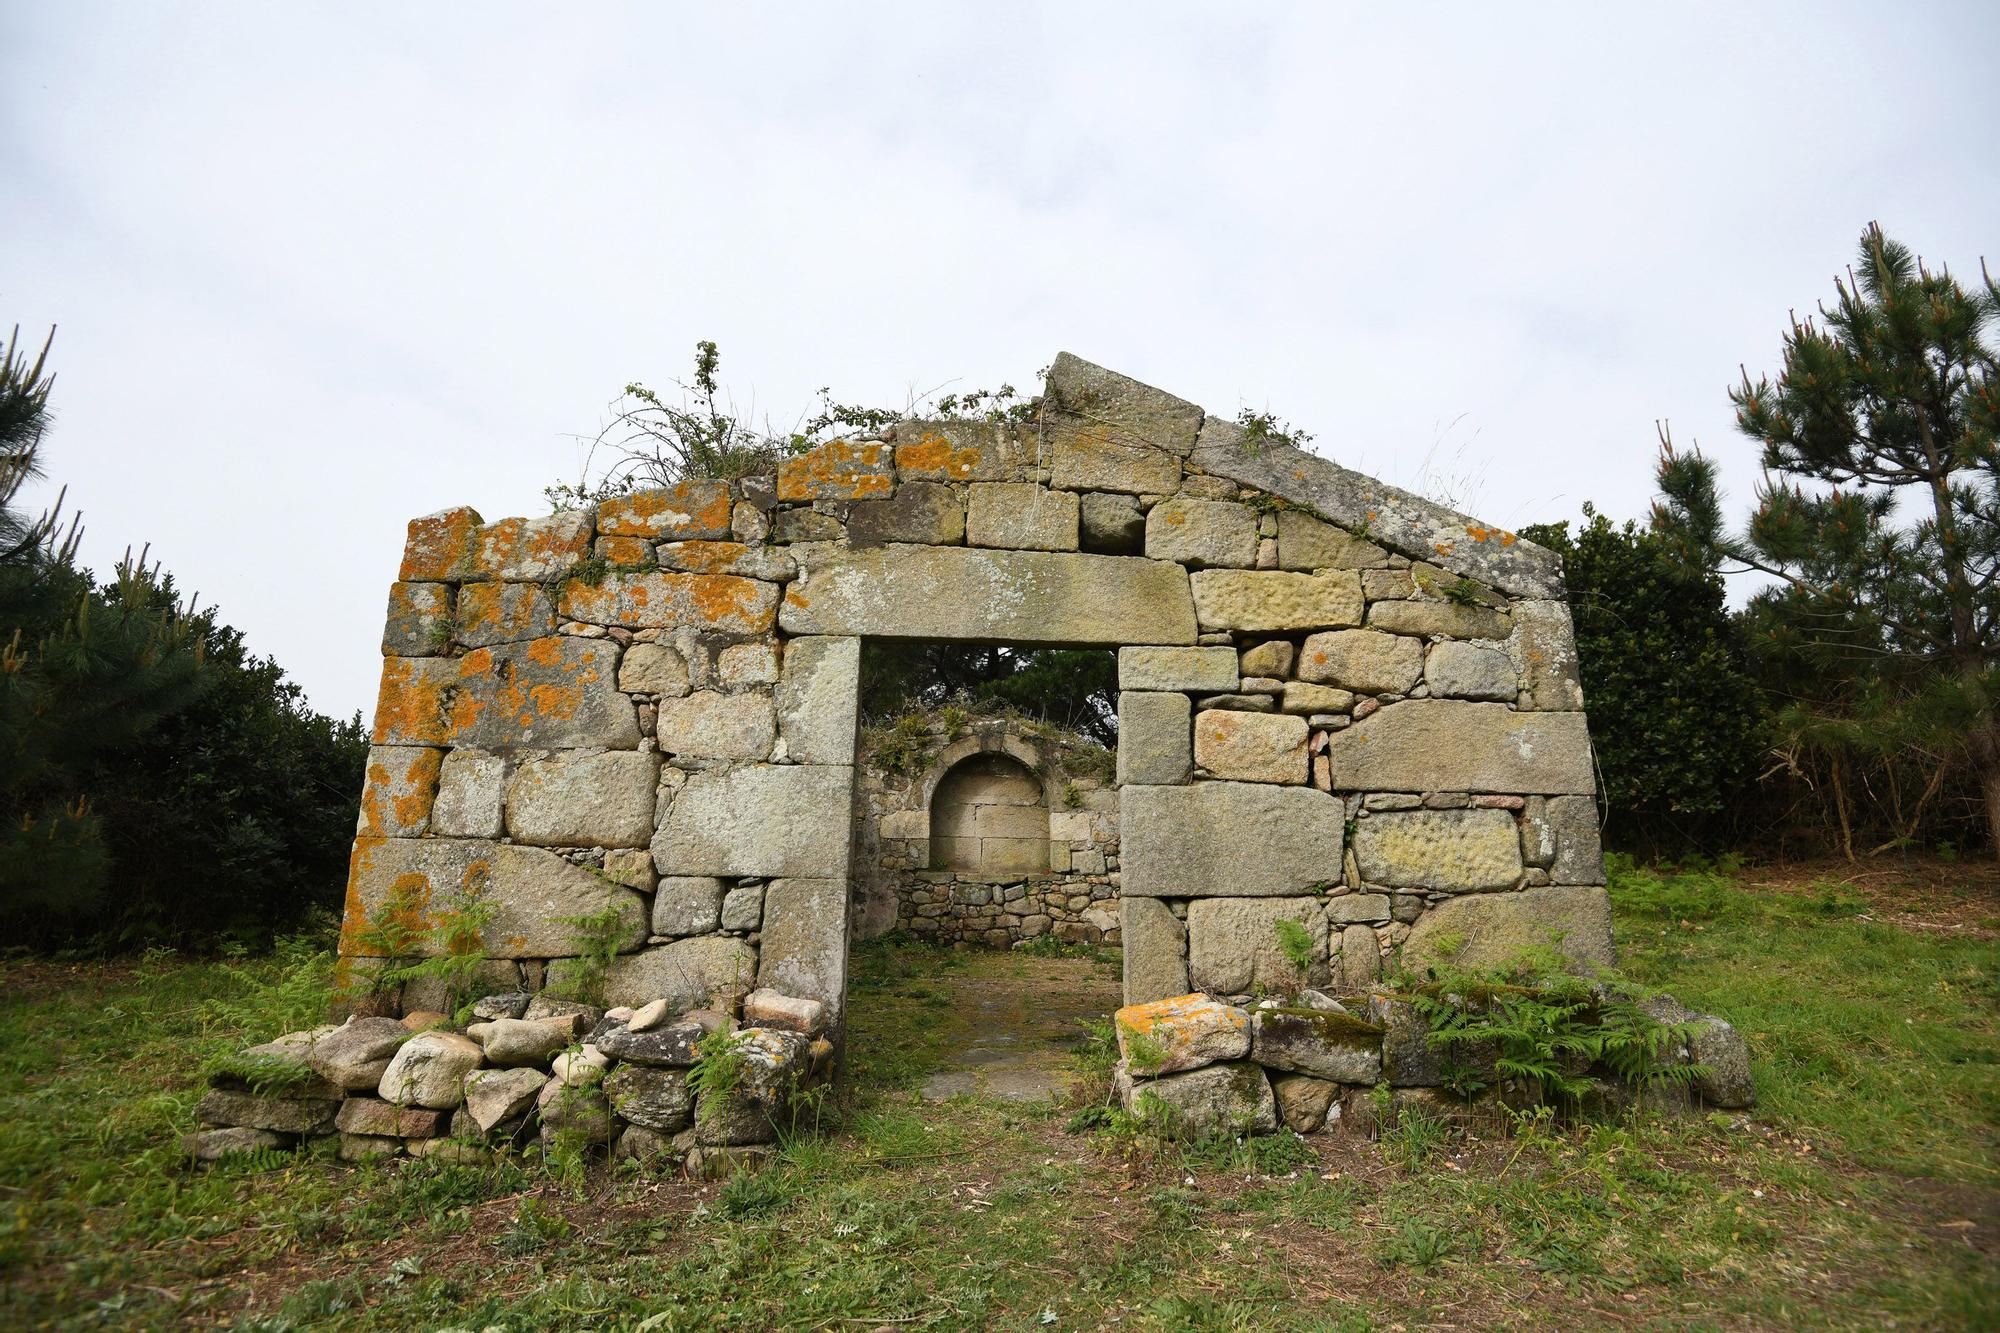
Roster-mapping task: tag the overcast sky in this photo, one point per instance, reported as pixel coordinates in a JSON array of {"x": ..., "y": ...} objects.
[{"x": 321, "y": 268}]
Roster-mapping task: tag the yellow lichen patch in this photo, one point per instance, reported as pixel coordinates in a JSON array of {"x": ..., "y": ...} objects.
[
  {"x": 412, "y": 705},
  {"x": 1175, "y": 517},
  {"x": 401, "y": 785},
  {"x": 625, "y": 550},
  {"x": 934, "y": 458},
  {"x": 440, "y": 546},
  {"x": 688, "y": 509},
  {"x": 837, "y": 470},
  {"x": 400, "y": 904},
  {"x": 664, "y": 601},
  {"x": 1444, "y": 548},
  {"x": 707, "y": 557}
]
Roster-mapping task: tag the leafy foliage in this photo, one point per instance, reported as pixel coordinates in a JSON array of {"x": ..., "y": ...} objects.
[
  {"x": 1073, "y": 689},
  {"x": 1295, "y": 942}
]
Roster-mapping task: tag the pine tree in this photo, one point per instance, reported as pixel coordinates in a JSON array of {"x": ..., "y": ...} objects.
[{"x": 1879, "y": 519}]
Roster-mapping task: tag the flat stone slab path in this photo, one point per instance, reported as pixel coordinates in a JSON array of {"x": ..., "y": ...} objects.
[{"x": 1014, "y": 1022}]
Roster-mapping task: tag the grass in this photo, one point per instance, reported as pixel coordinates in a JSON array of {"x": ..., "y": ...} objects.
[{"x": 1860, "y": 1194}]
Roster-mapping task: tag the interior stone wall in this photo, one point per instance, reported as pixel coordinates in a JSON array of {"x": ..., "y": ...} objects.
[{"x": 1342, "y": 705}]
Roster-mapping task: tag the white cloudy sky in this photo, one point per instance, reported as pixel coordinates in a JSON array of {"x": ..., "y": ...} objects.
[{"x": 322, "y": 267}]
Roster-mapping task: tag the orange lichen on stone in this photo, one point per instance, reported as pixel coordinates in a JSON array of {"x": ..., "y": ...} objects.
[
  {"x": 708, "y": 557},
  {"x": 1444, "y": 548},
  {"x": 688, "y": 510},
  {"x": 413, "y": 705},
  {"x": 403, "y": 902},
  {"x": 401, "y": 785},
  {"x": 934, "y": 458},
  {"x": 532, "y": 548},
  {"x": 499, "y": 612},
  {"x": 838, "y": 470},
  {"x": 441, "y": 546},
  {"x": 1184, "y": 1032},
  {"x": 625, "y": 550},
  {"x": 664, "y": 601}
]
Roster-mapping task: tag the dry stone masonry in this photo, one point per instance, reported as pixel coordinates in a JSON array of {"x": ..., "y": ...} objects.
[{"x": 1343, "y": 707}]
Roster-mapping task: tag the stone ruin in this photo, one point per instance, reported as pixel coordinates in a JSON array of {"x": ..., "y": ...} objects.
[{"x": 1342, "y": 707}]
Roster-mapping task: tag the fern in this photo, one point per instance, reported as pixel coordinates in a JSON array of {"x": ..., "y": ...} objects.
[
  {"x": 596, "y": 937},
  {"x": 1296, "y": 943},
  {"x": 457, "y": 948}
]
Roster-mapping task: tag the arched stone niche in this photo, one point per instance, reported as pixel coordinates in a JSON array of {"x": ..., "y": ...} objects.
[{"x": 990, "y": 820}]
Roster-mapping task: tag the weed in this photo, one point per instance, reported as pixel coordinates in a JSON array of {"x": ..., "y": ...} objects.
[
  {"x": 595, "y": 939},
  {"x": 1295, "y": 942}
]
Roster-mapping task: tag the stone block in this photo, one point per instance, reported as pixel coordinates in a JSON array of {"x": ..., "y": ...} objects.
[
  {"x": 1349, "y": 908},
  {"x": 1364, "y": 661},
  {"x": 277, "y": 1115},
  {"x": 655, "y": 1099},
  {"x": 1021, "y": 516},
  {"x": 558, "y": 691},
  {"x": 921, "y": 511},
  {"x": 1303, "y": 1101},
  {"x": 1233, "y": 946},
  {"x": 214, "y": 1145},
  {"x": 1234, "y": 838},
  {"x": 676, "y": 1044},
  {"x": 529, "y": 889},
  {"x": 708, "y": 725},
  {"x": 791, "y": 527},
  {"x": 491, "y": 613},
  {"x": 1217, "y": 1099},
  {"x": 1452, "y": 745},
  {"x": 803, "y": 949},
  {"x": 1543, "y": 649},
  {"x": 766, "y": 1008},
  {"x": 687, "y": 511},
  {"x": 1379, "y": 585},
  {"x": 624, "y": 551},
  {"x": 371, "y": 1115},
  {"x": 1119, "y": 409},
  {"x": 471, "y": 795},
  {"x": 398, "y": 795},
  {"x": 1273, "y": 658},
  {"x": 1305, "y": 542},
  {"x": 750, "y": 562},
  {"x": 418, "y": 623},
  {"x": 1086, "y": 456},
  {"x": 1456, "y": 670},
  {"x": 743, "y": 908},
  {"x": 1111, "y": 524},
  {"x": 765, "y": 820},
  {"x": 533, "y": 549},
  {"x": 440, "y": 546},
  {"x": 746, "y": 664},
  {"x": 1579, "y": 852},
  {"x": 1155, "y": 948},
  {"x": 1360, "y": 960},
  {"x": 584, "y": 799},
  {"x": 957, "y": 451},
  {"x": 688, "y": 905},
  {"x": 1202, "y": 534},
  {"x": 697, "y": 973},
  {"x": 1448, "y": 620},
  {"x": 1325, "y": 1043},
  {"x": 1263, "y": 601},
  {"x": 1027, "y": 598},
  {"x": 1490, "y": 929},
  {"x": 1454, "y": 850},
  {"x": 495, "y": 1096},
  {"x": 838, "y": 470},
  {"x": 819, "y": 699},
  {"x": 1250, "y": 747},
  {"x": 726, "y": 603},
  {"x": 1180, "y": 1033},
  {"x": 1306, "y": 699},
  {"x": 353, "y": 1056},
  {"x": 1153, "y": 739},
  {"x": 429, "y": 1071},
  {"x": 1195, "y": 670},
  {"x": 653, "y": 668}
]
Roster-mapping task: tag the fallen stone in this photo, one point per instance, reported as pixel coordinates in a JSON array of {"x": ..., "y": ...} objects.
[
  {"x": 1184, "y": 1032},
  {"x": 429, "y": 1071},
  {"x": 646, "y": 1017},
  {"x": 1451, "y": 745},
  {"x": 1328, "y": 1045},
  {"x": 1453, "y": 850},
  {"x": 1273, "y": 600},
  {"x": 280, "y": 1115},
  {"x": 1715, "y": 1043},
  {"x": 1490, "y": 929},
  {"x": 1303, "y": 1101},
  {"x": 212, "y": 1145},
  {"x": 1202, "y": 534},
  {"x": 1250, "y": 747},
  {"x": 1364, "y": 661},
  {"x": 496, "y": 1096},
  {"x": 1234, "y": 949},
  {"x": 580, "y": 1068},
  {"x": 722, "y": 1163},
  {"x": 766, "y": 1008},
  {"x": 1216, "y": 1099},
  {"x": 1228, "y": 838},
  {"x": 656, "y": 1099},
  {"x": 372, "y": 1116},
  {"x": 579, "y": 798}
]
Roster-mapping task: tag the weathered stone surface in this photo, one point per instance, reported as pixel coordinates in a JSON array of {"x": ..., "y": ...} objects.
[
  {"x": 632, "y": 867},
  {"x": 750, "y": 562},
  {"x": 743, "y": 908},
  {"x": 1250, "y": 747},
  {"x": 1179, "y": 1033},
  {"x": 688, "y": 511},
  {"x": 1449, "y": 745},
  {"x": 709, "y": 725},
  {"x": 533, "y": 548},
  {"x": 1196, "y": 670},
  {"x": 1440, "y": 619},
  {"x": 401, "y": 786},
  {"x": 767, "y": 1008},
  {"x": 639, "y": 1144},
  {"x": 1304, "y": 542},
  {"x": 1392, "y": 517},
  {"x": 558, "y": 691},
  {"x": 722, "y": 602},
  {"x": 1217, "y": 1099},
  {"x": 687, "y": 973},
  {"x": 1303, "y": 1101},
  {"x": 1439, "y": 849},
  {"x": 440, "y": 546},
  {"x": 577, "y": 798},
  {"x": 1155, "y": 949},
  {"x": 1543, "y": 649},
  {"x": 1324, "y": 1043},
  {"x": 1579, "y": 852},
  {"x": 1304, "y": 698},
  {"x": 958, "y": 451},
  {"x": 819, "y": 699},
  {"x": 371, "y": 1115},
  {"x": 1021, "y": 516},
  {"x": 1089, "y": 457},
  {"x": 471, "y": 796},
  {"x": 657, "y": 1099},
  {"x": 653, "y": 668},
  {"x": 803, "y": 950},
  {"x": 490, "y": 613},
  {"x": 1153, "y": 738},
  {"x": 1349, "y": 908},
  {"x": 215, "y": 1144},
  {"x": 742, "y": 664},
  {"x": 688, "y": 905},
  {"x": 1363, "y": 660},
  {"x": 628, "y": 551},
  {"x": 1237, "y": 838},
  {"x": 1202, "y": 533},
  {"x": 419, "y": 620},
  {"x": 1117, "y": 409},
  {"x": 1111, "y": 524},
  {"x": 280, "y": 1115},
  {"x": 495, "y": 1096},
  {"x": 1022, "y": 597},
  {"x": 353, "y": 1056},
  {"x": 582, "y": 1114},
  {"x": 920, "y": 511},
  {"x": 1360, "y": 960},
  {"x": 368, "y": 1147},
  {"x": 1717, "y": 1044},
  {"x": 838, "y": 470},
  {"x": 1233, "y": 944},
  {"x": 529, "y": 889},
  {"x": 762, "y": 820},
  {"x": 1266, "y": 600},
  {"x": 508, "y": 1004},
  {"x": 429, "y": 1070},
  {"x": 676, "y": 1045},
  {"x": 519, "y": 1041},
  {"x": 772, "y": 1065},
  {"x": 1486, "y": 929},
  {"x": 1273, "y": 658},
  {"x": 1457, "y": 670},
  {"x": 1408, "y": 1058}
]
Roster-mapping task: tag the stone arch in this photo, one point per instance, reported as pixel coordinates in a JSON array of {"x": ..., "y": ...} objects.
[{"x": 989, "y": 818}]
